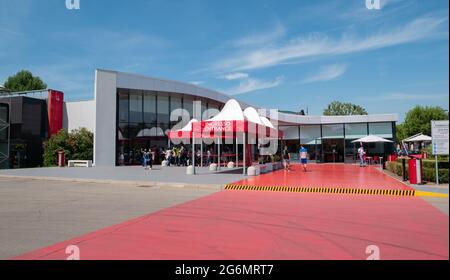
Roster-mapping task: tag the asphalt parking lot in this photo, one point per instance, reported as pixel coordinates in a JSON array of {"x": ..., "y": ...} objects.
[{"x": 38, "y": 213}]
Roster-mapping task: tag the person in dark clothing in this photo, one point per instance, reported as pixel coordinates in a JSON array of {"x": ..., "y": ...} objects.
[{"x": 286, "y": 159}]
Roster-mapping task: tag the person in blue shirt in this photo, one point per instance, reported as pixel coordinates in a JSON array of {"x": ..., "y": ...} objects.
[
  {"x": 144, "y": 158},
  {"x": 303, "y": 157}
]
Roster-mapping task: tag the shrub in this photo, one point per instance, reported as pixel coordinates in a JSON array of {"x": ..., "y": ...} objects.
[
  {"x": 76, "y": 145},
  {"x": 429, "y": 174},
  {"x": 430, "y": 163}
]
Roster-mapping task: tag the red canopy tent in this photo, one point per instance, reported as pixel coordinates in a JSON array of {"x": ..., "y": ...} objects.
[
  {"x": 183, "y": 133},
  {"x": 232, "y": 122}
]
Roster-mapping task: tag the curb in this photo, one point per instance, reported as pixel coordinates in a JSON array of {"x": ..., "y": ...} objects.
[
  {"x": 431, "y": 194},
  {"x": 143, "y": 184},
  {"x": 328, "y": 190}
]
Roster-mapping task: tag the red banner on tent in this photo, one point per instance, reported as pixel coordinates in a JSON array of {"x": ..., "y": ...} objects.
[{"x": 219, "y": 126}]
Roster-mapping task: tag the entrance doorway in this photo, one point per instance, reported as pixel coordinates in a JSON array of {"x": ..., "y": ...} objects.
[{"x": 333, "y": 150}]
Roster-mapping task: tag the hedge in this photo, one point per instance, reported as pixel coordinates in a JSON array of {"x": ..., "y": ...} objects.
[
  {"x": 430, "y": 163},
  {"x": 429, "y": 174}
]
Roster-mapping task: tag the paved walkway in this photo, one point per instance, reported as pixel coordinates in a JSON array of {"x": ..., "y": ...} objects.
[
  {"x": 328, "y": 175},
  {"x": 132, "y": 174},
  {"x": 258, "y": 225},
  {"x": 276, "y": 225}
]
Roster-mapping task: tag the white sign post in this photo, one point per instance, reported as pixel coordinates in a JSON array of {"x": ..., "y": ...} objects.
[{"x": 439, "y": 133}]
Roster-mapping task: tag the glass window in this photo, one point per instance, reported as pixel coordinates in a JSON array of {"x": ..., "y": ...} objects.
[
  {"x": 161, "y": 130},
  {"x": 135, "y": 130},
  {"x": 213, "y": 110},
  {"x": 381, "y": 129},
  {"x": 122, "y": 132},
  {"x": 175, "y": 103},
  {"x": 123, "y": 106},
  {"x": 351, "y": 150},
  {"x": 204, "y": 109},
  {"x": 149, "y": 107},
  {"x": 189, "y": 106},
  {"x": 163, "y": 108},
  {"x": 3, "y": 118},
  {"x": 376, "y": 148},
  {"x": 355, "y": 130},
  {"x": 332, "y": 131},
  {"x": 136, "y": 106},
  {"x": 310, "y": 138},
  {"x": 197, "y": 109},
  {"x": 310, "y": 134},
  {"x": 290, "y": 132}
]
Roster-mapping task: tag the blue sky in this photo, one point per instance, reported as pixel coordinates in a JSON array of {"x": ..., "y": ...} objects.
[{"x": 277, "y": 54}]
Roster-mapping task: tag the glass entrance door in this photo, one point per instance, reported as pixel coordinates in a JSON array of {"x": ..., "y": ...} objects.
[{"x": 333, "y": 150}]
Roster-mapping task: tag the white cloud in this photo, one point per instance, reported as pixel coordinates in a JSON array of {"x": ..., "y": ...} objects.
[
  {"x": 197, "y": 83},
  {"x": 319, "y": 45},
  {"x": 263, "y": 38},
  {"x": 11, "y": 31},
  {"x": 251, "y": 84},
  {"x": 235, "y": 76},
  {"x": 327, "y": 73}
]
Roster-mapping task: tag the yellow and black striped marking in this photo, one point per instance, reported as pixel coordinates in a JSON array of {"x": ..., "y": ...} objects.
[{"x": 330, "y": 190}]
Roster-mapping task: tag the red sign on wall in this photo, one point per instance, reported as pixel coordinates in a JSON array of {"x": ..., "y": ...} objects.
[{"x": 55, "y": 111}]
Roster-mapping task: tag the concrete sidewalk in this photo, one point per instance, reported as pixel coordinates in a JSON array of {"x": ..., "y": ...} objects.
[
  {"x": 134, "y": 175},
  {"x": 38, "y": 213}
]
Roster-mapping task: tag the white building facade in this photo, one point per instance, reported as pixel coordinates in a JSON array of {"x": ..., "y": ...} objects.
[{"x": 131, "y": 112}]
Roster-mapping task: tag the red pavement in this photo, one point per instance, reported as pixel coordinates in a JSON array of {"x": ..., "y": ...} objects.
[
  {"x": 273, "y": 225},
  {"x": 260, "y": 225},
  {"x": 328, "y": 175}
]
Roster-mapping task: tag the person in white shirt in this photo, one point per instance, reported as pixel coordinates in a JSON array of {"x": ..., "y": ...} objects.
[{"x": 361, "y": 153}]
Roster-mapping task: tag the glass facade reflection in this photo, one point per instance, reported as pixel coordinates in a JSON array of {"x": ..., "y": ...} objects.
[
  {"x": 333, "y": 142},
  {"x": 144, "y": 119}
]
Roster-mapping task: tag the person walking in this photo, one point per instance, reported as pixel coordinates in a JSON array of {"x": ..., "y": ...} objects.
[
  {"x": 144, "y": 158},
  {"x": 208, "y": 156},
  {"x": 304, "y": 157},
  {"x": 198, "y": 156},
  {"x": 168, "y": 156},
  {"x": 176, "y": 155},
  {"x": 362, "y": 156},
  {"x": 150, "y": 157},
  {"x": 286, "y": 159},
  {"x": 183, "y": 154}
]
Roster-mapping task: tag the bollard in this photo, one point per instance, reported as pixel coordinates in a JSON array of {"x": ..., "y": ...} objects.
[
  {"x": 251, "y": 171},
  {"x": 213, "y": 167},
  {"x": 190, "y": 170}
]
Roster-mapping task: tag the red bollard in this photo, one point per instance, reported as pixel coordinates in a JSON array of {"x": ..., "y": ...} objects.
[
  {"x": 415, "y": 171},
  {"x": 61, "y": 159}
]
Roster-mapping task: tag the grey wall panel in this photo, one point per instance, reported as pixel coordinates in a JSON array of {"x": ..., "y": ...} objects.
[
  {"x": 79, "y": 114},
  {"x": 105, "y": 120}
]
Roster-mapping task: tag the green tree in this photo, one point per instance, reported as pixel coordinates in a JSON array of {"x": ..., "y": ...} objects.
[
  {"x": 24, "y": 81},
  {"x": 82, "y": 143},
  {"x": 56, "y": 143},
  {"x": 337, "y": 108},
  {"x": 77, "y": 144},
  {"x": 400, "y": 133},
  {"x": 418, "y": 120}
]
